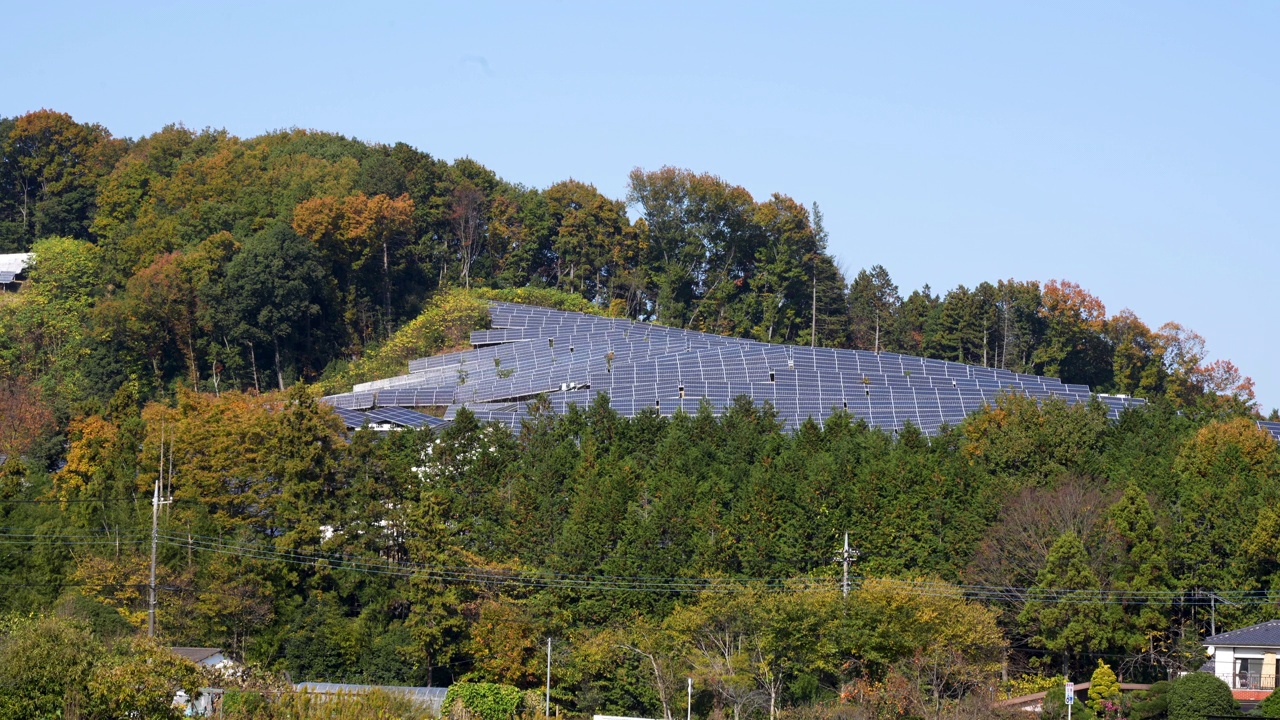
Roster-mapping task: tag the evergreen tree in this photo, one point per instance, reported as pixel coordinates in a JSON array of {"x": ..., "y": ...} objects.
[
  {"x": 1104, "y": 688},
  {"x": 1072, "y": 617},
  {"x": 1143, "y": 569},
  {"x": 874, "y": 305}
]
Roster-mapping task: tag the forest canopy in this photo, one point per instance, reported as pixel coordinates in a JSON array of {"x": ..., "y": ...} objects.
[{"x": 191, "y": 293}]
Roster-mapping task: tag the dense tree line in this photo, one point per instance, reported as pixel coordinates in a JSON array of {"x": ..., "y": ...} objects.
[
  {"x": 190, "y": 292},
  {"x": 418, "y": 558},
  {"x": 210, "y": 261}
]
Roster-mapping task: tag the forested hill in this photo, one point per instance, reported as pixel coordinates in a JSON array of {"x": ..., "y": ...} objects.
[
  {"x": 192, "y": 291},
  {"x": 204, "y": 260}
]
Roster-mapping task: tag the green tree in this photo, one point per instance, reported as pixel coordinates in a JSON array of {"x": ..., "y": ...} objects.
[
  {"x": 45, "y": 665},
  {"x": 140, "y": 680},
  {"x": 1072, "y": 617},
  {"x": 273, "y": 294},
  {"x": 1143, "y": 569},
  {"x": 873, "y": 308},
  {"x": 1270, "y": 706}
]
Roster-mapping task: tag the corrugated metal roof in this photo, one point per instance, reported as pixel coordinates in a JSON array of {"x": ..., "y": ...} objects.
[
  {"x": 196, "y": 654},
  {"x": 1263, "y": 634},
  {"x": 431, "y": 697},
  {"x": 14, "y": 262}
]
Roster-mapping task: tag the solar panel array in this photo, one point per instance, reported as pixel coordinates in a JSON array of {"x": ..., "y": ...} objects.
[
  {"x": 571, "y": 357},
  {"x": 1271, "y": 427},
  {"x": 6, "y": 277}
]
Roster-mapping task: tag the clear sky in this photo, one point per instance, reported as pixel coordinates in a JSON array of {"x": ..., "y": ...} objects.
[{"x": 1130, "y": 147}]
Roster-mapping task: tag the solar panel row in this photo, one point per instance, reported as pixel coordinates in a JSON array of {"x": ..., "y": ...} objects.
[
  {"x": 1271, "y": 427},
  {"x": 572, "y": 357}
]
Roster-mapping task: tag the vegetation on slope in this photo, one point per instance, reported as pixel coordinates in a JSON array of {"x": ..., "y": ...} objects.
[{"x": 193, "y": 292}]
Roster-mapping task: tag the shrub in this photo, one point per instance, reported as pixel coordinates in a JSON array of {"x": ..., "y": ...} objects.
[
  {"x": 1270, "y": 707},
  {"x": 1103, "y": 687},
  {"x": 242, "y": 704},
  {"x": 1197, "y": 696},
  {"x": 486, "y": 701},
  {"x": 1151, "y": 703},
  {"x": 1054, "y": 706}
]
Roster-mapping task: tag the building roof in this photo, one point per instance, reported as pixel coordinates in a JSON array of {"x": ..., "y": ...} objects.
[
  {"x": 430, "y": 697},
  {"x": 14, "y": 262},
  {"x": 195, "y": 654},
  {"x": 1264, "y": 634}
]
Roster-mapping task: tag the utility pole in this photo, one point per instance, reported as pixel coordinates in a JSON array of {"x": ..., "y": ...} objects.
[
  {"x": 156, "y": 502},
  {"x": 548, "y": 710},
  {"x": 688, "y": 706},
  {"x": 845, "y": 557},
  {"x": 155, "y": 532}
]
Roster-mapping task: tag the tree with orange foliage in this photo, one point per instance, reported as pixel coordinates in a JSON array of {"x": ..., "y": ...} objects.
[
  {"x": 23, "y": 416},
  {"x": 1137, "y": 365},
  {"x": 1074, "y": 347},
  {"x": 156, "y": 315},
  {"x": 352, "y": 231},
  {"x": 51, "y": 164},
  {"x": 1192, "y": 382}
]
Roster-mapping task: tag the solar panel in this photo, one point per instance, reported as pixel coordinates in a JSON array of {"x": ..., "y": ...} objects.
[
  {"x": 570, "y": 357},
  {"x": 399, "y": 416},
  {"x": 351, "y": 418}
]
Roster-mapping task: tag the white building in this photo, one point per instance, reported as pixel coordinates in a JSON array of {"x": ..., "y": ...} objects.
[{"x": 1246, "y": 658}]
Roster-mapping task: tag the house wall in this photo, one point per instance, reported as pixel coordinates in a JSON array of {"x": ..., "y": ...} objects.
[
  {"x": 1224, "y": 662},
  {"x": 1225, "y": 658}
]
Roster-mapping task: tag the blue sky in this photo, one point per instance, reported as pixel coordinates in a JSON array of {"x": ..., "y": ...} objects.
[{"x": 1131, "y": 148}]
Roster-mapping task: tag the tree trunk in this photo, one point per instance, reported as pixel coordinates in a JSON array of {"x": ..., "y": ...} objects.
[
  {"x": 386, "y": 292},
  {"x": 279, "y": 373},
  {"x": 253, "y": 359},
  {"x": 195, "y": 368}
]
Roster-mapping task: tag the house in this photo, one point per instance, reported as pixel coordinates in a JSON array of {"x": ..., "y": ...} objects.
[
  {"x": 204, "y": 703},
  {"x": 12, "y": 266},
  {"x": 204, "y": 657},
  {"x": 1246, "y": 659}
]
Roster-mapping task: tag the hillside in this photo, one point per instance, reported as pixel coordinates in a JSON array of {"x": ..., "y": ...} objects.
[{"x": 193, "y": 293}]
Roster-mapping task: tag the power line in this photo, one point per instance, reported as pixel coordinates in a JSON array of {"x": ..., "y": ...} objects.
[{"x": 511, "y": 577}]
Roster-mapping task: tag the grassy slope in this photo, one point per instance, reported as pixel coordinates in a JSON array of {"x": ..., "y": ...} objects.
[{"x": 444, "y": 326}]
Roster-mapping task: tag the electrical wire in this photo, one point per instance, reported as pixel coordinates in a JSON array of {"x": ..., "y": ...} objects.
[{"x": 540, "y": 579}]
